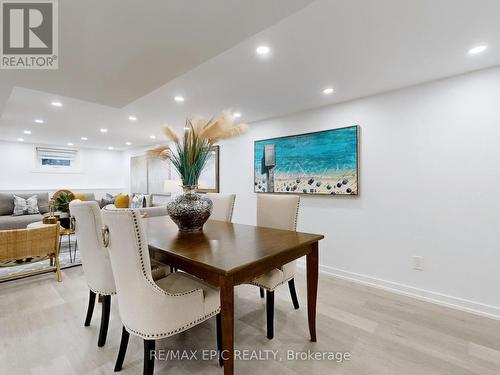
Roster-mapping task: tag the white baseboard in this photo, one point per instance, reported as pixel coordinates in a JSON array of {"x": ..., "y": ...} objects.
[{"x": 473, "y": 307}]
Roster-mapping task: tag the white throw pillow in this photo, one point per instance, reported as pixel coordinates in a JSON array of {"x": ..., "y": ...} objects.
[
  {"x": 25, "y": 206},
  {"x": 137, "y": 201}
]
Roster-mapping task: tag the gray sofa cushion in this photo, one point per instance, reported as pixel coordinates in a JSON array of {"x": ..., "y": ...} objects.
[
  {"x": 18, "y": 222},
  {"x": 7, "y": 201}
]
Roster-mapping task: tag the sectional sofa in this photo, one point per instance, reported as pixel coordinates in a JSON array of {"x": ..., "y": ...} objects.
[{"x": 7, "y": 221}]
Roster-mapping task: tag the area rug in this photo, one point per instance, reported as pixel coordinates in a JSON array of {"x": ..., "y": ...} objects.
[{"x": 64, "y": 258}]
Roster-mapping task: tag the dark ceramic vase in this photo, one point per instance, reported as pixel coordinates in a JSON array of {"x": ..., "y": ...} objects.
[{"x": 190, "y": 210}]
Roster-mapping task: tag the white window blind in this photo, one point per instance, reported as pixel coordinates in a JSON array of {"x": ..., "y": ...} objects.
[
  {"x": 56, "y": 153},
  {"x": 59, "y": 158}
]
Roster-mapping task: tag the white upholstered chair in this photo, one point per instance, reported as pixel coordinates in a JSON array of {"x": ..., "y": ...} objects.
[
  {"x": 223, "y": 206},
  {"x": 95, "y": 261},
  {"x": 279, "y": 212},
  {"x": 152, "y": 309}
]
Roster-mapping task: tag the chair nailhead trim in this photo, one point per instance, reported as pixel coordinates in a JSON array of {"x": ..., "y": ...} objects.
[
  {"x": 296, "y": 214},
  {"x": 232, "y": 209},
  {"x": 102, "y": 292},
  {"x": 141, "y": 258},
  {"x": 274, "y": 287},
  {"x": 178, "y": 330}
]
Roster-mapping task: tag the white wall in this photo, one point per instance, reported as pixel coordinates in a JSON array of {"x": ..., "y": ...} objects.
[
  {"x": 430, "y": 182},
  {"x": 100, "y": 172}
]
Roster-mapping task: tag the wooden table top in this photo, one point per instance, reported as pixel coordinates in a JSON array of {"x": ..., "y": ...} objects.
[{"x": 226, "y": 248}]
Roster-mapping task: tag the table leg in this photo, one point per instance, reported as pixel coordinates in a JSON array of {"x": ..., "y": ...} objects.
[
  {"x": 69, "y": 244},
  {"x": 312, "y": 289},
  {"x": 227, "y": 315}
]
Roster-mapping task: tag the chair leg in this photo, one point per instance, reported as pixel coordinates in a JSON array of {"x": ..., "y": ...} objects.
[
  {"x": 122, "y": 351},
  {"x": 149, "y": 360},
  {"x": 261, "y": 292},
  {"x": 218, "y": 325},
  {"x": 90, "y": 308},
  {"x": 293, "y": 293},
  {"x": 270, "y": 313},
  {"x": 103, "y": 331},
  {"x": 58, "y": 269}
]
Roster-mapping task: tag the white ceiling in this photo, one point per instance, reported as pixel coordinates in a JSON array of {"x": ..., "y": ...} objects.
[
  {"x": 113, "y": 52},
  {"x": 360, "y": 47}
]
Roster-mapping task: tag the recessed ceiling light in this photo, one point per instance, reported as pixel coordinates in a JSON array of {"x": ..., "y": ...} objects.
[
  {"x": 84, "y": 138},
  {"x": 27, "y": 132},
  {"x": 39, "y": 121},
  {"x": 179, "y": 99},
  {"x": 56, "y": 104},
  {"x": 70, "y": 144},
  {"x": 328, "y": 91},
  {"x": 152, "y": 136},
  {"x": 132, "y": 118},
  {"x": 110, "y": 148},
  {"x": 478, "y": 49},
  {"x": 103, "y": 130},
  {"x": 236, "y": 114},
  {"x": 20, "y": 139},
  {"x": 128, "y": 143},
  {"x": 263, "y": 50}
]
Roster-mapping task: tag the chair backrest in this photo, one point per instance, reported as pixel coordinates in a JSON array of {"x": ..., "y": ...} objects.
[
  {"x": 32, "y": 242},
  {"x": 277, "y": 211},
  {"x": 95, "y": 258},
  {"x": 145, "y": 308},
  {"x": 223, "y": 206}
]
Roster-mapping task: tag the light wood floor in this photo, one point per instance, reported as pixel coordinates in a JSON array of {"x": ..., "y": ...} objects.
[{"x": 42, "y": 332}]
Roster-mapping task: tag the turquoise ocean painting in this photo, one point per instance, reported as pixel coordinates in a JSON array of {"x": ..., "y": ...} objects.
[{"x": 324, "y": 162}]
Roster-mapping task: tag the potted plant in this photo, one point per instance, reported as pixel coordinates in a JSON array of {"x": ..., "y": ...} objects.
[
  {"x": 189, "y": 155},
  {"x": 62, "y": 199}
]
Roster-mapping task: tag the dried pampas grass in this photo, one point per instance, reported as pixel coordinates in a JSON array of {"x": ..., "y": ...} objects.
[
  {"x": 222, "y": 128},
  {"x": 159, "y": 152},
  {"x": 190, "y": 153},
  {"x": 169, "y": 132}
]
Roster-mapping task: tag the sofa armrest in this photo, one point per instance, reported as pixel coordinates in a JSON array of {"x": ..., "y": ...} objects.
[{"x": 154, "y": 211}]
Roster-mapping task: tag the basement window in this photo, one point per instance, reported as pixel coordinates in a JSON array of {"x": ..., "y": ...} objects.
[{"x": 52, "y": 158}]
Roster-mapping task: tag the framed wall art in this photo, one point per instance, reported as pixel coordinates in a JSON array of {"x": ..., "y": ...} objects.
[{"x": 319, "y": 163}]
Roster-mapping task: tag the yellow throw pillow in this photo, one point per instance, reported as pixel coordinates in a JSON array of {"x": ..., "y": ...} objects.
[
  {"x": 81, "y": 197},
  {"x": 121, "y": 201}
]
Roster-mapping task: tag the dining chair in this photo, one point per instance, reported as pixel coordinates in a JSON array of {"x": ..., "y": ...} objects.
[
  {"x": 223, "y": 206},
  {"x": 278, "y": 212},
  {"x": 96, "y": 263},
  {"x": 152, "y": 309}
]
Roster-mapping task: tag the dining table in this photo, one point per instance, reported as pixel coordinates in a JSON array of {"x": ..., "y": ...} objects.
[{"x": 226, "y": 254}]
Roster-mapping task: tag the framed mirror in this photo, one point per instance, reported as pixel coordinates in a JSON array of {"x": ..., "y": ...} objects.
[{"x": 209, "y": 179}]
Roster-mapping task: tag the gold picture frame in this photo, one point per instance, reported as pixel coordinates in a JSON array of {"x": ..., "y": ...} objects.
[{"x": 211, "y": 174}]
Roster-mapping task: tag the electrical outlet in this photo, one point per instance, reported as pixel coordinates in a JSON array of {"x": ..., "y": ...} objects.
[{"x": 418, "y": 263}]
